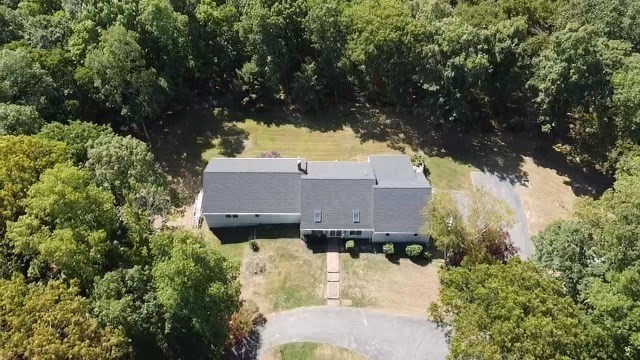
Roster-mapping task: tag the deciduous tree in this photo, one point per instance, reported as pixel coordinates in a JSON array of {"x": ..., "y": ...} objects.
[{"x": 53, "y": 321}]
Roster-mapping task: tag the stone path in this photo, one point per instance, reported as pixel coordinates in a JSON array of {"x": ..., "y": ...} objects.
[
  {"x": 333, "y": 273},
  {"x": 374, "y": 334}
]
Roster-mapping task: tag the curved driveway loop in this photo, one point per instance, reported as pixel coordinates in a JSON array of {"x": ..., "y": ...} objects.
[{"x": 370, "y": 333}]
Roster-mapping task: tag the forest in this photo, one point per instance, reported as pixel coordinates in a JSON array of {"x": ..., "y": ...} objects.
[{"x": 83, "y": 81}]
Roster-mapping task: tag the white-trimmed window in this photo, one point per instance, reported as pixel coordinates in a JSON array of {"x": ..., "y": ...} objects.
[
  {"x": 356, "y": 215},
  {"x": 317, "y": 216}
]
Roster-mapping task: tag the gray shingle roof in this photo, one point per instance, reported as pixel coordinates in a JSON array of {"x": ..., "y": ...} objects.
[
  {"x": 244, "y": 165},
  {"x": 339, "y": 170},
  {"x": 399, "y": 209},
  {"x": 257, "y": 192},
  {"x": 387, "y": 191},
  {"x": 396, "y": 171},
  {"x": 337, "y": 198}
]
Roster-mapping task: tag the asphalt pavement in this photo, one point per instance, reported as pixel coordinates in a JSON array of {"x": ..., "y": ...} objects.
[{"x": 374, "y": 334}]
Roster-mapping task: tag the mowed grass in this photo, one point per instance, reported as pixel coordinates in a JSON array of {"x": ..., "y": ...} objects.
[
  {"x": 292, "y": 141},
  {"x": 312, "y": 351},
  {"x": 283, "y": 274},
  {"x": 402, "y": 287}
]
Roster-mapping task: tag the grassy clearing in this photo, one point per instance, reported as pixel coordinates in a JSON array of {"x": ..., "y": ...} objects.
[
  {"x": 342, "y": 144},
  {"x": 312, "y": 351},
  {"x": 373, "y": 281}
]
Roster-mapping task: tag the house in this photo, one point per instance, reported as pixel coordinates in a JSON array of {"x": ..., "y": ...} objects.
[{"x": 380, "y": 199}]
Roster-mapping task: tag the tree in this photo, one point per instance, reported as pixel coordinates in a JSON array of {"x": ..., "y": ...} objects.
[
  {"x": 126, "y": 167},
  {"x": 77, "y": 135},
  {"x": 53, "y": 321},
  {"x": 470, "y": 233},
  {"x": 117, "y": 77},
  {"x": 19, "y": 120},
  {"x": 198, "y": 290},
  {"x": 126, "y": 299},
  {"x": 22, "y": 160},
  {"x": 614, "y": 219},
  {"x": 566, "y": 248},
  {"x": 572, "y": 79},
  {"x": 23, "y": 81},
  {"x": 67, "y": 226},
  {"x": 614, "y": 306},
  {"x": 509, "y": 311},
  {"x": 626, "y": 85}
]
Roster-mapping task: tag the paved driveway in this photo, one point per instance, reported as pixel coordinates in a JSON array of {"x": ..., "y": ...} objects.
[
  {"x": 504, "y": 190},
  {"x": 371, "y": 333}
]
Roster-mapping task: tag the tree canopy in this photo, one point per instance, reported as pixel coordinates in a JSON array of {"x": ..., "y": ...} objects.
[{"x": 521, "y": 313}]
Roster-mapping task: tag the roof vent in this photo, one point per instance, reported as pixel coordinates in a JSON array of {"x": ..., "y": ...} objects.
[{"x": 302, "y": 165}]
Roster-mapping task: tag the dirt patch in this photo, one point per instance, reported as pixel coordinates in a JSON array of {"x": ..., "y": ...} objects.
[
  {"x": 547, "y": 196},
  {"x": 403, "y": 288}
]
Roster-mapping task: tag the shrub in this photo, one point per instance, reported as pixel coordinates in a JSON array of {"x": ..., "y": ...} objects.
[
  {"x": 413, "y": 250},
  {"x": 427, "y": 255},
  {"x": 254, "y": 246},
  {"x": 270, "y": 155},
  {"x": 388, "y": 249},
  {"x": 350, "y": 245}
]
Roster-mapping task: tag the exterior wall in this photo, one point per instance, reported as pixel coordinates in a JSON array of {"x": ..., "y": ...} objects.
[
  {"x": 221, "y": 220},
  {"x": 366, "y": 234},
  {"x": 399, "y": 237}
]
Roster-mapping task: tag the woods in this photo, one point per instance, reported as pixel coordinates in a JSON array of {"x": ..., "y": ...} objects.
[
  {"x": 565, "y": 72},
  {"x": 81, "y": 82}
]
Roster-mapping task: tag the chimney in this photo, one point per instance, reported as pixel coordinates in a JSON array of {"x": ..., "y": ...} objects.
[{"x": 302, "y": 165}]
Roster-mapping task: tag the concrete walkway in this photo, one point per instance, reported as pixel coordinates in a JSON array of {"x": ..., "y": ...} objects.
[
  {"x": 333, "y": 273},
  {"x": 371, "y": 333},
  {"x": 504, "y": 190}
]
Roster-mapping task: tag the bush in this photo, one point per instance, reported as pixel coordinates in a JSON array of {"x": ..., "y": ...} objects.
[
  {"x": 350, "y": 245},
  {"x": 413, "y": 250},
  {"x": 270, "y": 155},
  {"x": 254, "y": 246},
  {"x": 388, "y": 249},
  {"x": 427, "y": 255}
]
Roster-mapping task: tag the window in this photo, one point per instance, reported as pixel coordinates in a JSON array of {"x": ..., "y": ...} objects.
[
  {"x": 356, "y": 215},
  {"x": 352, "y": 232},
  {"x": 359, "y": 232},
  {"x": 227, "y": 216},
  {"x": 332, "y": 233},
  {"x": 315, "y": 232},
  {"x": 415, "y": 234},
  {"x": 317, "y": 216},
  {"x": 257, "y": 215},
  {"x": 234, "y": 216},
  {"x": 387, "y": 234}
]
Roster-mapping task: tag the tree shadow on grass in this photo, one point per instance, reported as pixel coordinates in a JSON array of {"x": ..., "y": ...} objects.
[
  {"x": 179, "y": 141},
  {"x": 499, "y": 153}
]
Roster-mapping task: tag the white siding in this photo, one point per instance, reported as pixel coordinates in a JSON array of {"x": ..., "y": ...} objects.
[
  {"x": 221, "y": 220},
  {"x": 344, "y": 233},
  {"x": 398, "y": 237}
]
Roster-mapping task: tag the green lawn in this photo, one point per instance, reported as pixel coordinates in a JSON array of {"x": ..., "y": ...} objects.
[
  {"x": 291, "y": 141},
  {"x": 313, "y": 351}
]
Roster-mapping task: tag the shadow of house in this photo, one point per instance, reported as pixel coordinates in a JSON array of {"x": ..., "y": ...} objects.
[{"x": 233, "y": 235}]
